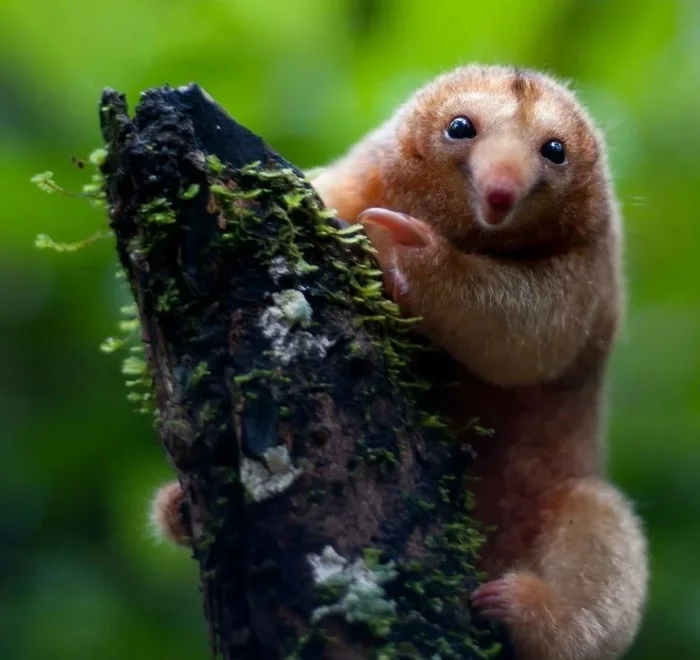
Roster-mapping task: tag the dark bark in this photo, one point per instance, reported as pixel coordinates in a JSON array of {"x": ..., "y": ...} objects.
[{"x": 252, "y": 395}]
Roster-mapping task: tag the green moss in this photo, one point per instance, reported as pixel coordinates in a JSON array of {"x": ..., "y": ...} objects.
[
  {"x": 98, "y": 156},
  {"x": 214, "y": 164},
  {"x": 168, "y": 298},
  {"x": 133, "y": 367},
  {"x": 400, "y": 651},
  {"x": 359, "y": 274},
  {"x": 199, "y": 372},
  {"x": 372, "y": 557},
  {"x": 94, "y": 192},
  {"x": 256, "y": 374},
  {"x": 315, "y": 495},
  {"x": 190, "y": 192},
  {"x": 221, "y": 191},
  {"x": 111, "y": 344},
  {"x": 436, "y": 583},
  {"x": 158, "y": 211},
  {"x": 45, "y": 242},
  {"x": 381, "y": 457},
  {"x": 139, "y": 381},
  {"x": 46, "y": 183},
  {"x": 207, "y": 413},
  {"x": 329, "y": 592},
  {"x": 432, "y": 422},
  {"x": 303, "y": 268}
]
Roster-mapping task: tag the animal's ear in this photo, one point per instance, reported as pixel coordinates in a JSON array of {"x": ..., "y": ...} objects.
[{"x": 402, "y": 229}]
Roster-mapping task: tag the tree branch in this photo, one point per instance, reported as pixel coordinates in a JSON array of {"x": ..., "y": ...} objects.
[{"x": 327, "y": 505}]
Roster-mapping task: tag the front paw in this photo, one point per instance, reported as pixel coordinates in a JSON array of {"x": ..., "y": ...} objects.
[{"x": 408, "y": 252}]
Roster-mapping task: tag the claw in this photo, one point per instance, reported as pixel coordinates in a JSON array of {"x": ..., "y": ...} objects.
[
  {"x": 491, "y": 594},
  {"x": 517, "y": 599},
  {"x": 402, "y": 229},
  {"x": 496, "y": 600},
  {"x": 394, "y": 236}
]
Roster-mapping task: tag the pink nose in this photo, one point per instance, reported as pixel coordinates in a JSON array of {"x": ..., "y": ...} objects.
[{"x": 501, "y": 199}]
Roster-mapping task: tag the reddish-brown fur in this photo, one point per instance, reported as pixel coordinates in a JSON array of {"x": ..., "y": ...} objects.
[
  {"x": 529, "y": 307},
  {"x": 166, "y": 513}
]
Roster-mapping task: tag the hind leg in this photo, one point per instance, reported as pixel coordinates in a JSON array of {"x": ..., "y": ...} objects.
[{"x": 582, "y": 599}]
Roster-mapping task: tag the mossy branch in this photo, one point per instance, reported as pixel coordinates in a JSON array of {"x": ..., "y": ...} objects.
[{"x": 328, "y": 507}]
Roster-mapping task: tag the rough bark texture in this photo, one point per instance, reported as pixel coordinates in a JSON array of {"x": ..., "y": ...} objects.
[{"x": 327, "y": 505}]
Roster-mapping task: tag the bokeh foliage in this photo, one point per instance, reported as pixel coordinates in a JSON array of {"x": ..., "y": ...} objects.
[{"x": 80, "y": 575}]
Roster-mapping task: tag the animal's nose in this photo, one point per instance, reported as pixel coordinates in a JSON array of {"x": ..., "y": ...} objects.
[{"x": 501, "y": 198}]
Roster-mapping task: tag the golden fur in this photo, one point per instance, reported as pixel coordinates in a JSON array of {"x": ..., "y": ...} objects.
[{"x": 529, "y": 307}]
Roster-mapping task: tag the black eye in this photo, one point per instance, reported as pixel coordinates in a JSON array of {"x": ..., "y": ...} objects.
[
  {"x": 461, "y": 128},
  {"x": 554, "y": 151}
]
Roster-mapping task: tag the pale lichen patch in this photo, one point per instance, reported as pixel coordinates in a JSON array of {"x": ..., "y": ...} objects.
[
  {"x": 290, "y": 307},
  {"x": 277, "y": 459},
  {"x": 278, "y": 268},
  {"x": 263, "y": 481},
  {"x": 329, "y": 564},
  {"x": 363, "y": 597},
  {"x": 279, "y": 321}
]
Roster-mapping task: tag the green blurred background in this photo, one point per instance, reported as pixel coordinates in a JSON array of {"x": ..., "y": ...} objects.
[{"x": 81, "y": 575}]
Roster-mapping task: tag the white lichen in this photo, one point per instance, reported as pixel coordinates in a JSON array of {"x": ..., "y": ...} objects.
[
  {"x": 278, "y": 268},
  {"x": 280, "y": 324},
  {"x": 262, "y": 481},
  {"x": 363, "y": 598},
  {"x": 290, "y": 308},
  {"x": 278, "y": 460},
  {"x": 329, "y": 564}
]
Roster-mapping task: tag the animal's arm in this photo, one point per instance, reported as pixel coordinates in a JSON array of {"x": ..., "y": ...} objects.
[
  {"x": 167, "y": 517},
  {"x": 352, "y": 184},
  {"x": 508, "y": 322}
]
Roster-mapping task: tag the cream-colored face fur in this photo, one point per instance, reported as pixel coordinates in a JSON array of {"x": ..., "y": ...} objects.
[{"x": 500, "y": 171}]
